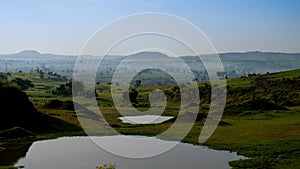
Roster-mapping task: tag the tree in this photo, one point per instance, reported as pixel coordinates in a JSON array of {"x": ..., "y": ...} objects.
[
  {"x": 133, "y": 94},
  {"x": 137, "y": 83},
  {"x": 42, "y": 74}
]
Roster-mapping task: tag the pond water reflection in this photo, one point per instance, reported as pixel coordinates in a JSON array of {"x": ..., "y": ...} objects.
[{"x": 83, "y": 153}]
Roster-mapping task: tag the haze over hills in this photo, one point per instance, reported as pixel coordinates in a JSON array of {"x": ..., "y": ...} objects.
[
  {"x": 241, "y": 56},
  {"x": 236, "y": 64},
  {"x": 33, "y": 54}
]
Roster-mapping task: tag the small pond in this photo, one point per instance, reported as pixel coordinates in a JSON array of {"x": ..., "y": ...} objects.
[
  {"x": 145, "y": 119},
  {"x": 83, "y": 153}
]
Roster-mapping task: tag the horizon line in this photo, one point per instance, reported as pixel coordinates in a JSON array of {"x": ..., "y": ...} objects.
[{"x": 224, "y": 52}]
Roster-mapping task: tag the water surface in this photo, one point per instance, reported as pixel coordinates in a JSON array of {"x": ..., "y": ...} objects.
[
  {"x": 145, "y": 119},
  {"x": 83, "y": 153}
]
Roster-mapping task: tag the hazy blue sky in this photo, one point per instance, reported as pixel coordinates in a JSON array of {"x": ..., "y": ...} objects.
[{"x": 63, "y": 26}]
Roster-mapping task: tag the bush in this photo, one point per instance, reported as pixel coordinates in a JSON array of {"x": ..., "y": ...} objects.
[{"x": 24, "y": 84}]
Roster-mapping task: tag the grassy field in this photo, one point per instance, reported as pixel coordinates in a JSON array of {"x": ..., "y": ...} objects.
[{"x": 261, "y": 119}]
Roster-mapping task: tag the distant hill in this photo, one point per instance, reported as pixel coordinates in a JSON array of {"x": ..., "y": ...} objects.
[
  {"x": 28, "y": 53},
  {"x": 148, "y": 55},
  {"x": 35, "y": 55}
]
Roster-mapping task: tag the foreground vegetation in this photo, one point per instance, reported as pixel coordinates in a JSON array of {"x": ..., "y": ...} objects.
[{"x": 261, "y": 119}]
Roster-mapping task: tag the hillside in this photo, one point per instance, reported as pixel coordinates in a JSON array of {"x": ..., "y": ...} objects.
[
  {"x": 275, "y": 91},
  {"x": 19, "y": 117}
]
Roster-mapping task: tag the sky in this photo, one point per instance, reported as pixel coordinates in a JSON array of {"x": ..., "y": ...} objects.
[{"x": 64, "y": 26}]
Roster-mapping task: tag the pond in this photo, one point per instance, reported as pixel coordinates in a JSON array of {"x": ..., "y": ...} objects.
[
  {"x": 83, "y": 153},
  {"x": 145, "y": 119}
]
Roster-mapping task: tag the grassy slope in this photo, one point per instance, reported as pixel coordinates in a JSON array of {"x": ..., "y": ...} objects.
[
  {"x": 269, "y": 134},
  {"x": 270, "y": 137}
]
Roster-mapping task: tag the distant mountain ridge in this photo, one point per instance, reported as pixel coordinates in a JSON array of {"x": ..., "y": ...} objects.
[{"x": 153, "y": 54}]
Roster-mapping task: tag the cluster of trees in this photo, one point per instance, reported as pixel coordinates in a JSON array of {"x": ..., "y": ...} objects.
[
  {"x": 221, "y": 75},
  {"x": 51, "y": 74},
  {"x": 174, "y": 93},
  {"x": 54, "y": 74},
  {"x": 63, "y": 90},
  {"x": 24, "y": 84},
  {"x": 204, "y": 90},
  {"x": 107, "y": 166},
  {"x": 74, "y": 88},
  {"x": 264, "y": 82}
]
